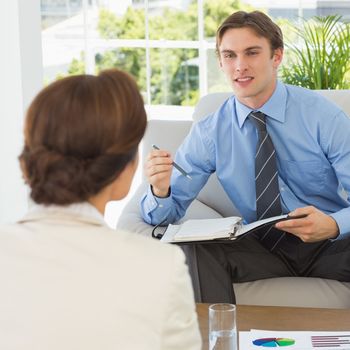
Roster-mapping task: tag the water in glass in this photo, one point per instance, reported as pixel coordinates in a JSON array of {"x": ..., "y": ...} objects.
[{"x": 223, "y": 340}]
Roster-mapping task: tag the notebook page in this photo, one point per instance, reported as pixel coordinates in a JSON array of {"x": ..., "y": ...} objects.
[
  {"x": 206, "y": 228},
  {"x": 170, "y": 233}
]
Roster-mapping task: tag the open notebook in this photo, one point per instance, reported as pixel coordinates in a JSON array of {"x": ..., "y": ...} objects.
[{"x": 213, "y": 229}]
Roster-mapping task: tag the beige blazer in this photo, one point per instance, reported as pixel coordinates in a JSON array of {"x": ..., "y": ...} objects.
[{"x": 70, "y": 282}]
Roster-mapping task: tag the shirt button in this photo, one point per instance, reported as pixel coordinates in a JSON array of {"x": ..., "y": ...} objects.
[{"x": 160, "y": 205}]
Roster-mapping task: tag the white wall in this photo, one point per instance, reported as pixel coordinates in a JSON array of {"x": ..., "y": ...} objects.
[{"x": 21, "y": 78}]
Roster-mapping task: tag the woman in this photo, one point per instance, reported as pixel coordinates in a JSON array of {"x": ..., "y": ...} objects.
[{"x": 68, "y": 281}]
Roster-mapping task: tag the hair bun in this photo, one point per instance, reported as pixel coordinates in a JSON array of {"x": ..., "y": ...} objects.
[{"x": 56, "y": 177}]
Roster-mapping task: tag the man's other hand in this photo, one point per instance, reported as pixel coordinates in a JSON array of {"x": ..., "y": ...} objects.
[{"x": 316, "y": 226}]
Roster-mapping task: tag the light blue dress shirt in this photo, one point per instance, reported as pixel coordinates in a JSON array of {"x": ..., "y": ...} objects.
[{"x": 311, "y": 136}]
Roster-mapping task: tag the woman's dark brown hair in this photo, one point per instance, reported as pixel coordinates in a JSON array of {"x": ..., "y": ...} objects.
[
  {"x": 80, "y": 133},
  {"x": 259, "y": 22}
]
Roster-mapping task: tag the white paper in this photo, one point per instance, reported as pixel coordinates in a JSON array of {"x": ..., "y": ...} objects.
[
  {"x": 169, "y": 234},
  {"x": 201, "y": 229},
  {"x": 303, "y": 340},
  {"x": 244, "y": 340},
  {"x": 208, "y": 229}
]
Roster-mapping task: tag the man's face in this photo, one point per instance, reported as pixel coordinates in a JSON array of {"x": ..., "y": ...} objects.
[{"x": 249, "y": 65}]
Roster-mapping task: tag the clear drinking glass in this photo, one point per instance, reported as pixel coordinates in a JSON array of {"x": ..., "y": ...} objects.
[{"x": 222, "y": 327}]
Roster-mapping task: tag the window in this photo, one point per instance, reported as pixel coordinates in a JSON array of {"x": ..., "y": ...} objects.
[{"x": 167, "y": 45}]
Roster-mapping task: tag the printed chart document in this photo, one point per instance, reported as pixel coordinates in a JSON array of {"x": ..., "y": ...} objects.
[
  {"x": 289, "y": 340},
  {"x": 213, "y": 229}
]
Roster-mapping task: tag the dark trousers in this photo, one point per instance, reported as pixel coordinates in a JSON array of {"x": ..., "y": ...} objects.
[{"x": 215, "y": 266}]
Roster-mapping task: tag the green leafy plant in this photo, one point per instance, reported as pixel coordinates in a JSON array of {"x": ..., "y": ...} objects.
[{"x": 321, "y": 58}]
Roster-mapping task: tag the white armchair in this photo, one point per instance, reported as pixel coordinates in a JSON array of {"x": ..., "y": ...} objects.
[{"x": 212, "y": 202}]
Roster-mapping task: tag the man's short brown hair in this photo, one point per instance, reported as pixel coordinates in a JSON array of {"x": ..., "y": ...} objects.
[{"x": 257, "y": 21}]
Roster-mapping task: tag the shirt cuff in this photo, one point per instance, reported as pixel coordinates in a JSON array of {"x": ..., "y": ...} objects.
[
  {"x": 156, "y": 208},
  {"x": 343, "y": 222}
]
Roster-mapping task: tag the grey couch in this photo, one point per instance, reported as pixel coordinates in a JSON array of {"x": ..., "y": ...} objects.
[{"x": 212, "y": 202}]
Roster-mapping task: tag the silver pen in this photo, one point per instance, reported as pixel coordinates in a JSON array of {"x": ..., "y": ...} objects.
[{"x": 176, "y": 166}]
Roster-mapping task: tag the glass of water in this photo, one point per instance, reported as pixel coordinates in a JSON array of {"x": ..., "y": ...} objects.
[{"x": 222, "y": 327}]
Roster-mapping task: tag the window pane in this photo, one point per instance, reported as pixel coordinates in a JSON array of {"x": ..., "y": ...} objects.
[
  {"x": 215, "y": 12},
  {"x": 69, "y": 40},
  {"x": 62, "y": 38},
  {"x": 293, "y": 10},
  {"x": 131, "y": 60},
  {"x": 177, "y": 20},
  {"x": 121, "y": 20},
  {"x": 174, "y": 79},
  {"x": 55, "y": 11}
]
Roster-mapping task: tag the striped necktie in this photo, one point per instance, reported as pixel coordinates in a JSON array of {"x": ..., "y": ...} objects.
[{"x": 266, "y": 182}]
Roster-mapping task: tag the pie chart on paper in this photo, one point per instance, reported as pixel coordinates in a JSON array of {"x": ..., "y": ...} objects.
[{"x": 273, "y": 342}]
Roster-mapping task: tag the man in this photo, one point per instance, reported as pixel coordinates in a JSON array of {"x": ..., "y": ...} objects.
[{"x": 275, "y": 149}]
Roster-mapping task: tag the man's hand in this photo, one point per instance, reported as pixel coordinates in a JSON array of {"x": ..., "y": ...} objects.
[
  {"x": 316, "y": 226},
  {"x": 158, "y": 168}
]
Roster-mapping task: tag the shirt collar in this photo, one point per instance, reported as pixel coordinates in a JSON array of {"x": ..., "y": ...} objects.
[{"x": 275, "y": 107}]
